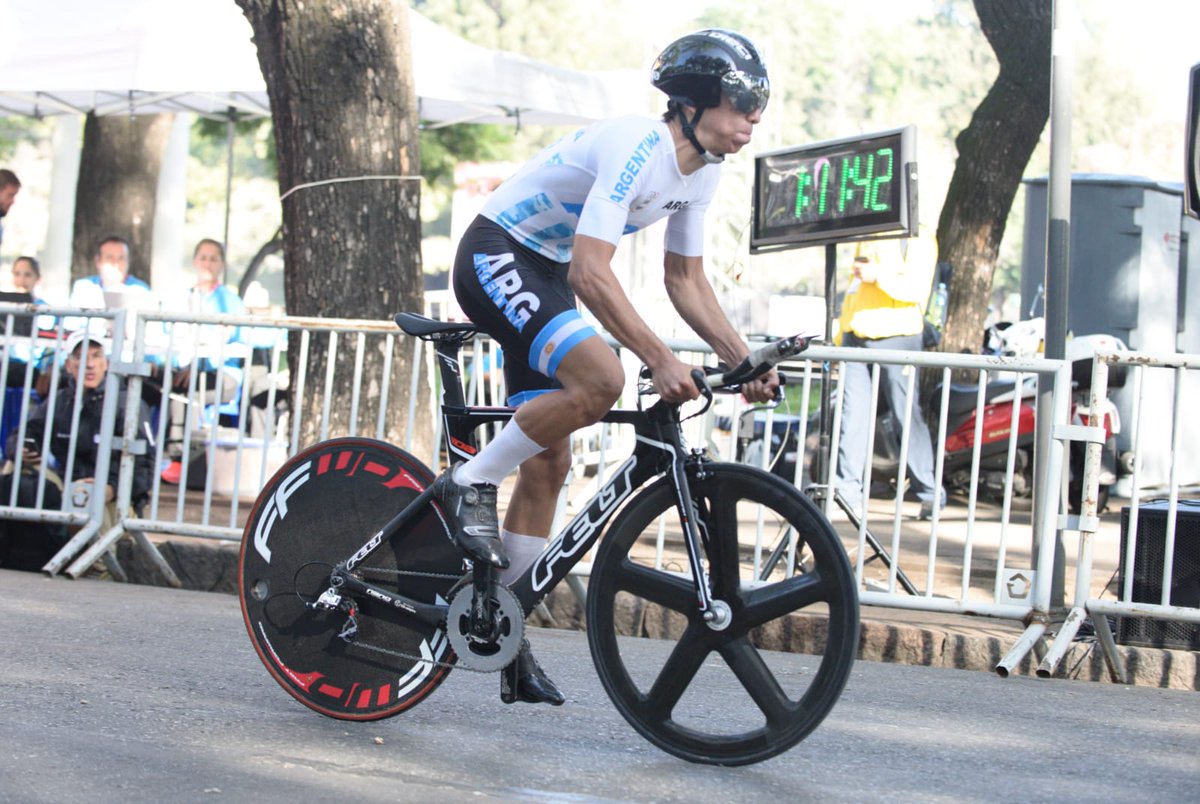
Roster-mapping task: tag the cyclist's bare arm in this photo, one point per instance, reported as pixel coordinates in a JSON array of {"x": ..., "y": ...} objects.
[
  {"x": 692, "y": 295},
  {"x": 591, "y": 277}
]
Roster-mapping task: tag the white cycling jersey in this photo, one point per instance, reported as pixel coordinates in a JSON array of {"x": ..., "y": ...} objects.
[{"x": 611, "y": 178}]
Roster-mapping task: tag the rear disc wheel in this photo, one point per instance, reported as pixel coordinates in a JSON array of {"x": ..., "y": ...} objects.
[{"x": 317, "y": 511}]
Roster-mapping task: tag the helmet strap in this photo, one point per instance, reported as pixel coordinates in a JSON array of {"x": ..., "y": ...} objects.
[{"x": 689, "y": 131}]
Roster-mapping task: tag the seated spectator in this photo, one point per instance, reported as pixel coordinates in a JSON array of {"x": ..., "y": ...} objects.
[
  {"x": 219, "y": 383},
  {"x": 29, "y": 545},
  {"x": 266, "y": 380},
  {"x": 26, "y": 275},
  {"x": 111, "y": 287}
]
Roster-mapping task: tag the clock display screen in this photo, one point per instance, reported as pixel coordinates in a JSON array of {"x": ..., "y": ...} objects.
[{"x": 833, "y": 191}]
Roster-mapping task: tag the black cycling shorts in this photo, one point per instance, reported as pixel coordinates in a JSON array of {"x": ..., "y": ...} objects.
[{"x": 523, "y": 301}]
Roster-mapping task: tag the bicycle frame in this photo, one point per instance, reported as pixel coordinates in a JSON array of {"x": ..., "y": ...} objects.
[{"x": 658, "y": 449}]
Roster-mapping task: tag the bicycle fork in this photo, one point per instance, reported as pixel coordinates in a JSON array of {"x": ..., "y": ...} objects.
[{"x": 716, "y": 613}]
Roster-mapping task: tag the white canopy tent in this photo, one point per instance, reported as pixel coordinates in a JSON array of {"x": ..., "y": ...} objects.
[
  {"x": 131, "y": 56},
  {"x": 123, "y": 57}
]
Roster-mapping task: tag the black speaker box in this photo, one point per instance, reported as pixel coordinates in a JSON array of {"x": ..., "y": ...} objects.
[{"x": 1148, "y": 561}]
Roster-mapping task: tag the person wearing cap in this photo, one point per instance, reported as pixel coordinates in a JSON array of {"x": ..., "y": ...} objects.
[
  {"x": 547, "y": 236},
  {"x": 87, "y": 365},
  {"x": 884, "y": 308}
]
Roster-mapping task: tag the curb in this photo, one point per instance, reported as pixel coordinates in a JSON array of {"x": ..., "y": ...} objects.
[{"x": 213, "y": 568}]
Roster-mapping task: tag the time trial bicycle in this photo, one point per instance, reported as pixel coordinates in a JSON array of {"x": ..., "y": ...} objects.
[{"x": 359, "y": 602}]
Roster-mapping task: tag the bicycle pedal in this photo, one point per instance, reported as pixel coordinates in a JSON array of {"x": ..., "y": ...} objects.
[{"x": 508, "y": 684}]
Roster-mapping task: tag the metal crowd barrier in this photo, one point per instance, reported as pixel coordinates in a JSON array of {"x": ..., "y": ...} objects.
[
  {"x": 989, "y": 572},
  {"x": 42, "y": 341},
  {"x": 1184, "y": 381},
  {"x": 984, "y": 561},
  {"x": 238, "y": 458}
]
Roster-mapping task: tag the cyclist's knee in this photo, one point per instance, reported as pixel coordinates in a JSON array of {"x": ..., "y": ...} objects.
[
  {"x": 594, "y": 386},
  {"x": 609, "y": 382}
]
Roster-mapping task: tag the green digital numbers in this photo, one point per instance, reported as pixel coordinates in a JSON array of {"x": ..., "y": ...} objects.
[
  {"x": 884, "y": 177},
  {"x": 849, "y": 184},
  {"x": 836, "y": 190}
]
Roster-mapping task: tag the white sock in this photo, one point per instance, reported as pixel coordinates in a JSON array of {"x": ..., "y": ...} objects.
[
  {"x": 500, "y": 458},
  {"x": 522, "y": 551}
]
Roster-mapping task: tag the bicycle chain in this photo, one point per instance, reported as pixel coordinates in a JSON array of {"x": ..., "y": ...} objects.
[
  {"x": 402, "y": 655},
  {"x": 379, "y": 570}
]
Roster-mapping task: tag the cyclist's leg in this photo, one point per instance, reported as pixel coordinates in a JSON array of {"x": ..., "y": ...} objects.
[
  {"x": 540, "y": 479},
  {"x": 591, "y": 380},
  {"x": 524, "y": 302},
  {"x": 558, "y": 371}
]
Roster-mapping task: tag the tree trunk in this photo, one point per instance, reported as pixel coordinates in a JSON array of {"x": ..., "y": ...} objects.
[
  {"x": 342, "y": 99},
  {"x": 117, "y": 186},
  {"x": 993, "y": 151}
]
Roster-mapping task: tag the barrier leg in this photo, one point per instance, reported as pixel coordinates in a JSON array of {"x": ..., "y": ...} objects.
[
  {"x": 1020, "y": 648},
  {"x": 93, "y": 553},
  {"x": 114, "y": 566},
  {"x": 1062, "y": 642},
  {"x": 143, "y": 543},
  {"x": 1116, "y": 662},
  {"x": 69, "y": 549},
  {"x": 580, "y": 591}
]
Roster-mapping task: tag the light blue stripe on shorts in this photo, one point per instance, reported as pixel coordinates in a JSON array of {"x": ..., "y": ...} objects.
[
  {"x": 521, "y": 397},
  {"x": 557, "y": 338}
]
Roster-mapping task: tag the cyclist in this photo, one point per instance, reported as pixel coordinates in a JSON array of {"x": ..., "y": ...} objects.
[{"x": 547, "y": 235}]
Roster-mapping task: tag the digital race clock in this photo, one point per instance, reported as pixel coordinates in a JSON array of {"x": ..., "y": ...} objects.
[{"x": 835, "y": 191}]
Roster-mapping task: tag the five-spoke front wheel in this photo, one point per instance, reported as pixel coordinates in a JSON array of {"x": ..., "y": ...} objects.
[{"x": 723, "y": 696}]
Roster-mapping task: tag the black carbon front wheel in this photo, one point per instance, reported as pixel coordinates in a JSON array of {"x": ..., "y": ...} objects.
[
  {"x": 318, "y": 510},
  {"x": 725, "y": 697}
]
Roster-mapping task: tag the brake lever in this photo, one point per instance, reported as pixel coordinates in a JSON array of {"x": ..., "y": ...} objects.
[{"x": 706, "y": 391}]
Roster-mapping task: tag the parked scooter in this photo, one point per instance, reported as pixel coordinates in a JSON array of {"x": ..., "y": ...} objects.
[
  {"x": 1022, "y": 339},
  {"x": 997, "y": 414}
]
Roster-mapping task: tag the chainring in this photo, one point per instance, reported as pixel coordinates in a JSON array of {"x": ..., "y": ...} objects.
[{"x": 485, "y": 655}]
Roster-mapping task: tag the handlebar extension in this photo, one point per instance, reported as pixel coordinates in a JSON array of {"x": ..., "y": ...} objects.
[{"x": 761, "y": 360}]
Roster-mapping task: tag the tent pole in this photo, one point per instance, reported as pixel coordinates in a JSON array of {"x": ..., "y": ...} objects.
[{"x": 229, "y": 127}]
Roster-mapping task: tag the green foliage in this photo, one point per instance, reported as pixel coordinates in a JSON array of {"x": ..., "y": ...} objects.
[
  {"x": 567, "y": 33},
  {"x": 15, "y": 130},
  {"x": 443, "y": 148},
  {"x": 254, "y": 144}
]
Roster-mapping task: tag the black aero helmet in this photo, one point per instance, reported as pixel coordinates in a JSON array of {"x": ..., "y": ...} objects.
[{"x": 695, "y": 70}]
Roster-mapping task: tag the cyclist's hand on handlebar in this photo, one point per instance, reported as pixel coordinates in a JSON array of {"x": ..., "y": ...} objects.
[
  {"x": 764, "y": 389},
  {"x": 673, "y": 381}
]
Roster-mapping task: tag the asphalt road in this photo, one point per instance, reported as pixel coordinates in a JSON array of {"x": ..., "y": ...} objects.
[{"x": 111, "y": 692}]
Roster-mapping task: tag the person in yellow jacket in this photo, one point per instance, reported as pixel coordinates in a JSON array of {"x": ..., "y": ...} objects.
[{"x": 884, "y": 308}]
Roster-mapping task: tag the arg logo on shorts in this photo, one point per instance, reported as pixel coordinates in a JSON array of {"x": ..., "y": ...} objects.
[{"x": 502, "y": 284}]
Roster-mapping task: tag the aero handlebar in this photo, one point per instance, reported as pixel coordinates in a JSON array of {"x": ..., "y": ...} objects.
[{"x": 760, "y": 361}]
